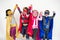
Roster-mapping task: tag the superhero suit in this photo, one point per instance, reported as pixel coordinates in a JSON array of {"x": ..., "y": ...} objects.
[
  {"x": 46, "y": 26},
  {"x": 24, "y": 21},
  {"x": 11, "y": 25}
]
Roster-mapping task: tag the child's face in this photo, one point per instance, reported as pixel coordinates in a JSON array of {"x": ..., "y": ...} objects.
[
  {"x": 25, "y": 11},
  {"x": 10, "y": 13},
  {"x": 35, "y": 13},
  {"x": 46, "y": 14}
]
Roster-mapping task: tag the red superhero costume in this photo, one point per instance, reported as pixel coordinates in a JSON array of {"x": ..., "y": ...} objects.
[
  {"x": 29, "y": 9},
  {"x": 29, "y": 30},
  {"x": 31, "y": 23},
  {"x": 24, "y": 21}
]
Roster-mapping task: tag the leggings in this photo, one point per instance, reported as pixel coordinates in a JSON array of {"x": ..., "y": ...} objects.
[
  {"x": 46, "y": 35},
  {"x": 24, "y": 28},
  {"x": 34, "y": 33}
]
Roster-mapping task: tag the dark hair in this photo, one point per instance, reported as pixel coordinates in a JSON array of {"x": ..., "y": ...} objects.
[
  {"x": 28, "y": 11},
  {"x": 7, "y": 11},
  {"x": 25, "y": 8},
  {"x": 47, "y": 12}
]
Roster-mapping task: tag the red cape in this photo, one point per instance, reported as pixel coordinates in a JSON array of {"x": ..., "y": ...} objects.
[
  {"x": 20, "y": 25},
  {"x": 29, "y": 29}
]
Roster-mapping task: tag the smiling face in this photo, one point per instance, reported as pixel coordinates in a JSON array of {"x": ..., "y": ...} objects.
[
  {"x": 35, "y": 13},
  {"x": 9, "y": 13},
  {"x": 25, "y": 10}
]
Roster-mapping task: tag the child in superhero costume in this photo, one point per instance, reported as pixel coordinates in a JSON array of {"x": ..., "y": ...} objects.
[
  {"x": 24, "y": 21},
  {"x": 33, "y": 24},
  {"x": 46, "y": 25},
  {"x": 11, "y": 25}
]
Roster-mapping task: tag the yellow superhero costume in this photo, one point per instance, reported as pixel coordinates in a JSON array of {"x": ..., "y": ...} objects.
[{"x": 9, "y": 25}]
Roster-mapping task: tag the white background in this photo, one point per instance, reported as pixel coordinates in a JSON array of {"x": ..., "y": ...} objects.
[{"x": 40, "y": 5}]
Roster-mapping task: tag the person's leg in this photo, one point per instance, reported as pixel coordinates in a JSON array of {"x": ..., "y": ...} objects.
[
  {"x": 23, "y": 31},
  {"x": 35, "y": 32},
  {"x": 47, "y": 35},
  {"x": 44, "y": 37},
  {"x": 13, "y": 33},
  {"x": 27, "y": 37}
]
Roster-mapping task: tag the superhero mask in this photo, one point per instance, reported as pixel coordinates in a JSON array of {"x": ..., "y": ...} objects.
[
  {"x": 47, "y": 12},
  {"x": 25, "y": 11}
]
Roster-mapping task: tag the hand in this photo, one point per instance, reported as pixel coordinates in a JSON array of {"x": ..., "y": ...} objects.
[
  {"x": 54, "y": 13},
  {"x": 16, "y": 5},
  {"x": 40, "y": 14},
  {"x": 30, "y": 7}
]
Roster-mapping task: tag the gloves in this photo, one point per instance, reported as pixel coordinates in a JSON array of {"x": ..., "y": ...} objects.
[{"x": 54, "y": 13}]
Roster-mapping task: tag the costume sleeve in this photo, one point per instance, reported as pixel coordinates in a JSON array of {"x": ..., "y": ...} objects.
[
  {"x": 30, "y": 9},
  {"x": 53, "y": 15},
  {"x": 14, "y": 9},
  {"x": 19, "y": 10}
]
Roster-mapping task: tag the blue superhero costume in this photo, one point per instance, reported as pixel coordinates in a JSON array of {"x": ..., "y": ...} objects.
[{"x": 46, "y": 27}]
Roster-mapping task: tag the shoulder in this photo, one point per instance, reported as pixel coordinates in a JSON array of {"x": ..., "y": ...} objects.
[{"x": 43, "y": 16}]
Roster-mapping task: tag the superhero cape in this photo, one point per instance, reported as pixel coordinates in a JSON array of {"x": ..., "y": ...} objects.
[
  {"x": 37, "y": 36},
  {"x": 29, "y": 29},
  {"x": 42, "y": 31},
  {"x": 20, "y": 26}
]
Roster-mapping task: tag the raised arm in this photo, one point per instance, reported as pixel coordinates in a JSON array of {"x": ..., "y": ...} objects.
[
  {"x": 18, "y": 8},
  {"x": 53, "y": 14},
  {"x": 40, "y": 16},
  {"x": 14, "y": 9},
  {"x": 30, "y": 9}
]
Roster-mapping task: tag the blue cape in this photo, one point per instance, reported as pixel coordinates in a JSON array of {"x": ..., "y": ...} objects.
[{"x": 40, "y": 23}]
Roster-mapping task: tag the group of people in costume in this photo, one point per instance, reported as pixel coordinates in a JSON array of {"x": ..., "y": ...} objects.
[{"x": 32, "y": 24}]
